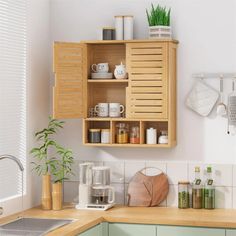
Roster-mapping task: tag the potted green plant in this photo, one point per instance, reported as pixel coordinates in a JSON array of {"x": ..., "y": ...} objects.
[
  {"x": 51, "y": 159},
  {"x": 60, "y": 169},
  {"x": 159, "y": 22}
]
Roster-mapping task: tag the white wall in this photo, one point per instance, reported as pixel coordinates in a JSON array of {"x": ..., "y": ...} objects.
[
  {"x": 206, "y": 30},
  {"x": 38, "y": 85}
]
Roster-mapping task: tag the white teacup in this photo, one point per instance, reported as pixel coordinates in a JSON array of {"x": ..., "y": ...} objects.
[
  {"x": 100, "y": 68},
  {"x": 102, "y": 109},
  {"x": 116, "y": 109}
]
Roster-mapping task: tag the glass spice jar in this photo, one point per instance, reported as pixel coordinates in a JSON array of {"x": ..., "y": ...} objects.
[
  {"x": 122, "y": 133},
  {"x": 183, "y": 194},
  {"x": 134, "y": 135},
  {"x": 94, "y": 136}
]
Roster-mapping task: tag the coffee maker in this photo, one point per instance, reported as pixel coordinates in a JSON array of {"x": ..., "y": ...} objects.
[{"x": 98, "y": 191}]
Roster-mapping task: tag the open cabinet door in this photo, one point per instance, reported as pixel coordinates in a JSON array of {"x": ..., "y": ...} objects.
[{"x": 70, "y": 89}]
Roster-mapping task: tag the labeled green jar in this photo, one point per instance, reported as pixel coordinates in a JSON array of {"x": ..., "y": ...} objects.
[{"x": 183, "y": 194}]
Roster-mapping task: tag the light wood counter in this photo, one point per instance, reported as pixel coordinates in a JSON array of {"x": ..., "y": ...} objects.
[{"x": 218, "y": 218}]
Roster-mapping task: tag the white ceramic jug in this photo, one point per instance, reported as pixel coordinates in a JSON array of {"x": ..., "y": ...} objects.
[{"x": 120, "y": 72}]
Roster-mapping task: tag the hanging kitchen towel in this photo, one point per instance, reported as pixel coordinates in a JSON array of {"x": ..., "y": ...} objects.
[
  {"x": 202, "y": 98},
  {"x": 144, "y": 190}
]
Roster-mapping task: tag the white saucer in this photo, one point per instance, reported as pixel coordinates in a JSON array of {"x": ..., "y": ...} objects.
[{"x": 101, "y": 75}]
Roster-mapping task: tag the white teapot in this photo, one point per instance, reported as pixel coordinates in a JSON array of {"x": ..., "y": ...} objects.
[{"x": 120, "y": 72}]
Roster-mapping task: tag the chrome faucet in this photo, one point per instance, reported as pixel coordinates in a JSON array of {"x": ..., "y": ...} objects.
[
  {"x": 6, "y": 156},
  {"x": 18, "y": 162}
]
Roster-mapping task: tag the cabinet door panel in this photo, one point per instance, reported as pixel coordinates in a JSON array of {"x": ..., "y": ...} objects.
[
  {"x": 147, "y": 66},
  {"x": 230, "y": 232},
  {"x": 131, "y": 230},
  {"x": 95, "y": 231},
  {"x": 188, "y": 231},
  {"x": 70, "y": 91}
]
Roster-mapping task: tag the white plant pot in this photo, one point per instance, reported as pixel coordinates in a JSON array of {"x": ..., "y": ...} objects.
[{"x": 159, "y": 31}]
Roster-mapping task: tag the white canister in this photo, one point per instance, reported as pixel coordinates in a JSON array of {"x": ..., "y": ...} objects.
[
  {"x": 151, "y": 136},
  {"x": 128, "y": 27},
  {"x": 119, "y": 25},
  {"x": 105, "y": 136}
]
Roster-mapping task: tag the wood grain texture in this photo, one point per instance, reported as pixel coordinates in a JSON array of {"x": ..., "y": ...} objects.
[
  {"x": 147, "y": 65},
  {"x": 218, "y": 218},
  {"x": 70, "y": 90}
]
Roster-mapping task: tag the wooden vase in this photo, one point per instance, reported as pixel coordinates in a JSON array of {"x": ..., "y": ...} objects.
[
  {"x": 57, "y": 196},
  {"x": 46, "y": 192}
]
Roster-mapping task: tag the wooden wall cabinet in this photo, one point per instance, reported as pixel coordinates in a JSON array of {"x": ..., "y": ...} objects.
[{"x": 149, "y": 93}]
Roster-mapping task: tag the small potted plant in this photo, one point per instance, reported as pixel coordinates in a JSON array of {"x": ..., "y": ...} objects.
[
  {"x": 50, "y": 158},
  {"x": 159, "y": 22},
  {"x": 60, "y": 168}
]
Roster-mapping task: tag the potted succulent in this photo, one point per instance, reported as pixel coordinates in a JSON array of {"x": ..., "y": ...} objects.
[
  {"x": 51, "y": 160},
  {"x": 159, "y": 22}
]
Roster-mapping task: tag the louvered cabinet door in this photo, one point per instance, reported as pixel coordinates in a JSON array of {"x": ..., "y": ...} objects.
[
  {"x": 148, "y": 80},
  {"x": 69, "y": 92}
]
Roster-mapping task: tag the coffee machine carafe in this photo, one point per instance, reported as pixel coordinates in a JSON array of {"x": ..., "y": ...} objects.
[{"x": 103, "y": 195}]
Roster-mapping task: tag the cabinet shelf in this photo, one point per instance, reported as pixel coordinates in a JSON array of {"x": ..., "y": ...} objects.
[
  {"x": 122, "y": 119},
  {"x": 128, "y": 145},
  {"x": 107, "y": 81}
]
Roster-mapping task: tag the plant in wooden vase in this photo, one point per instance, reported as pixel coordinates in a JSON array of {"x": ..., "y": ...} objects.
[
  {"x": 46, "y": 158},
  {"x": 159, "y": 22},
  {"x": 61, "y": 168}
]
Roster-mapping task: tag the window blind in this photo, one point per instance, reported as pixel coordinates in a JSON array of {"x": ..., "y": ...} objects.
[{"x": 13, "y": 74}]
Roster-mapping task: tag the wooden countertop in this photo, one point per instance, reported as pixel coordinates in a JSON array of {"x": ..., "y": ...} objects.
[{"x": 218, "y": 218}]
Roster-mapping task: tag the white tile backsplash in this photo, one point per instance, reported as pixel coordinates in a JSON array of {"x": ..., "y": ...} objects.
[
  {"x": 117, "y": 171},
  {"x": 177, "y": 171},
  {"x": 223, "y": 197},
  {"x": 122, "y": 171},
  {"x": 234, "y": 175},
  {"x": 158, "y": 167},
  {"x": 222, "y": 175},
  {"x": 234, "y": 198},
  {"x": 172, "y": 198},
  {"x": 71, "y": 192},
  {"x": 120, "y": 193},
  {"x": 131, "y": 167}
]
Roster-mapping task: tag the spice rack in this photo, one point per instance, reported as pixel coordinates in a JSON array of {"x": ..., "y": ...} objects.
[
  {"x": 105, "y": 123},
  {"x": 149, "y": 93}
]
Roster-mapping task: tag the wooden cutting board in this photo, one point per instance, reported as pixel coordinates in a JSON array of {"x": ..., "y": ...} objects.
[{"x": 146, "y": 190}]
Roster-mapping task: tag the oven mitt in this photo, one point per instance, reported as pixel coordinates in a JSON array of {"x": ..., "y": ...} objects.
[{"x": 202, "y": 98}]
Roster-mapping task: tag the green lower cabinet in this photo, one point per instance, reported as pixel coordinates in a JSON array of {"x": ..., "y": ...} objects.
[
  {"x": 95, "y": 231},
  {"x": 188, "y": 231},
  {"x": 131, "y": 230},
  {"x": 230, "y": 232}
]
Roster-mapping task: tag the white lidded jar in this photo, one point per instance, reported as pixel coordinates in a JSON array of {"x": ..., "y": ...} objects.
[
  {"x": 151, "y": 136},
  {"x": 128, "y": 27},
  {"x": 119, "y": 25}
]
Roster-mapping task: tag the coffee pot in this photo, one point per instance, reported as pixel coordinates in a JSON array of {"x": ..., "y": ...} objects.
[{"x": 102, "y": 192}]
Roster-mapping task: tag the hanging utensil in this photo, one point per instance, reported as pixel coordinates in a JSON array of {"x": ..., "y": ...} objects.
[
  {"x": 221, "y": 107},
  {"x": 232, "y": 111}
]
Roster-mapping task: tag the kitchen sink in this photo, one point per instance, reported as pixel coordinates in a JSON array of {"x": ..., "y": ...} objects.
[{"x": 32, "y": 226}]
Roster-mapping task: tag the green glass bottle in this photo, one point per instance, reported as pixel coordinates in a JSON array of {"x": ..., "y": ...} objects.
[
  {"x": 197, "y": 190},
  {"x": 209, "y": 191}
]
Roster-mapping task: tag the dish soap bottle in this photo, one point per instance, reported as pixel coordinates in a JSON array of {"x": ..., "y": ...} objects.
[
  {"x": 197, "y": 190},
  {"x": 209, "y": 191}
]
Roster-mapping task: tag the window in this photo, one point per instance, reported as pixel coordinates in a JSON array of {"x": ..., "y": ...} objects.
[{"x": 13, "y": 74}]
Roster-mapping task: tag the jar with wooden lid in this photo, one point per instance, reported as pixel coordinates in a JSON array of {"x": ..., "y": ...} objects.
[
  {"x": 94, "y": 136},
  {"x": 134, "y": 135},
  {"x": 122, "y": 133},
  {"x": 183, "y": 194}
]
